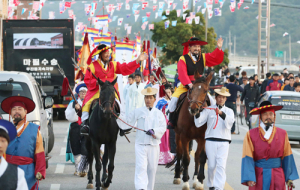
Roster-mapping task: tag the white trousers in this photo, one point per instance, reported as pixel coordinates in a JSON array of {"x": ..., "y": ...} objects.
[
  {"x": 217, "y": 153},
  {"x": 174, "y": 100},
  {"x": 146, "y": 162}
]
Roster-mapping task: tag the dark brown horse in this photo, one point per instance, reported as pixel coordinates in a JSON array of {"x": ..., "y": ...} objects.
[{"x": 186, "y": 131}]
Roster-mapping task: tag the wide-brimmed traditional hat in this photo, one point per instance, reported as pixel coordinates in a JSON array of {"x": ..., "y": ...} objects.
[
  {"x": 9, "y": 128},
  {"x": 223, "y": 91},
  {"x": 96, "y": 51},
  {"x": 265, "y": 106},
  {"x": 149, "y": 91},
  {"x": 192, "y": 41},
  {"x": 79, "y": 86},
  {"x": 13, "y": 101}
]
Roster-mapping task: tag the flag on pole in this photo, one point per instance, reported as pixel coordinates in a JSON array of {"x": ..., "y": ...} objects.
[
  {"x": 101, "y": 40},
  {"x": 285, "y": 34}
]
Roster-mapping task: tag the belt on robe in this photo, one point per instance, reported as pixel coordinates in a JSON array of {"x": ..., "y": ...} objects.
[
  {"x": 267, "y": 166},
  {"x": 18, "y": 160}
]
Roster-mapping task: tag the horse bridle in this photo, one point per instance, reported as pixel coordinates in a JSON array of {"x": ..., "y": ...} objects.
[
  {"x": 199, "y": 103},
  {"x": 101, "y": 104}
]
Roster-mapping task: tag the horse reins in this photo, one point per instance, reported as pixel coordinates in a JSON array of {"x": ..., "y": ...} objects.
[
  {"x": 131, "y": 125},
  {"x": 200, "y": 107}
]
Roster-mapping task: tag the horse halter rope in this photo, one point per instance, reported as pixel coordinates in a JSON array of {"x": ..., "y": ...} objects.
[
  {"x": 200, "y": 107},
  {"x": 199, "y": 103}
]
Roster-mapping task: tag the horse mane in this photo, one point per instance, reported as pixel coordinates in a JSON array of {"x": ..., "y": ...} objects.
[{"x": 200, "y": 80}]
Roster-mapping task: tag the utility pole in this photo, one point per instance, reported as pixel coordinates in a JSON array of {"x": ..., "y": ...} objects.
[
  {"x": 193, "y": 6},
  {"x": 206, "y": 20},
  {"x": 284, "y": 58},
  {"x": 229, "y": 44},
  {"x": 226, "y": 42},
  {"x": 268, "y": 35},
  {"x": 234, "y": 47},
  {"x": 290, "y": 49},
  {"x": 259, "y": 39}
]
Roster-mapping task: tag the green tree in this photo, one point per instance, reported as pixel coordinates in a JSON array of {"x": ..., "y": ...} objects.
[{"x": 170, "y": 39}]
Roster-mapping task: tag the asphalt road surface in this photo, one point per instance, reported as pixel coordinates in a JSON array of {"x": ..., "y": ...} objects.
[{"x": 60, "y": 173}]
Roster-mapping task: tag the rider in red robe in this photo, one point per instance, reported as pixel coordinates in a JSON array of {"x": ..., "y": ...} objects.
[{"x": 105, "y": 70}]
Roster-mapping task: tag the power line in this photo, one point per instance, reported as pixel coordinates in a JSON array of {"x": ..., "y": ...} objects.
[{"x": 276, "y": 5}]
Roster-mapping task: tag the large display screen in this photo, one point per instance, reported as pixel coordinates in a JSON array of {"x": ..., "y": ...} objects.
[{"x": 38, "y": 41}]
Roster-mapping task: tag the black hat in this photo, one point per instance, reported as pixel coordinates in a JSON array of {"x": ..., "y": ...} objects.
[
  {"x": 138, "y": 73},
  {"x": 251, "y": 78},
  {"x": 276, "y": 75},
  {"x": 237, "y": 73}
]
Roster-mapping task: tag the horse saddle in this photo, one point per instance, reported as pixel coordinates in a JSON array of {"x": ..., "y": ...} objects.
[{"x": 94, "y": 103}]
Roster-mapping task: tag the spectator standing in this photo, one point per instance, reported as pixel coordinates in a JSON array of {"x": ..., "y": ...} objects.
[
  {"x": 221, "y": 72},
  {"x": 265, "y": 83},
  {"x": 244, "y": 75},
  {"x": 286, "y": 82},
  {"x": 226, "y": 71},
  {"x": 237, "y": 76},
  {"x": 297, "y": 87},
  {"x": 274, "y": 84},
  {"x": 250, "y": 95},
  {"x": 290, "y": 87},
  {"x": 231, "y": 100},
  {"x": 297, "y": 80},
  {"x": 282, "y": 76}
]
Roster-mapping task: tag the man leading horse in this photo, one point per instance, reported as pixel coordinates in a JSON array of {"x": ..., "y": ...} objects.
[
  {"x": 191, "y": 60},
  {"x": 105, "y": 70}
]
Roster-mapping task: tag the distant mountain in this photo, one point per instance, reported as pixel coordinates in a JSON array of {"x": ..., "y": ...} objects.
[{"x": 242, "y": 23}]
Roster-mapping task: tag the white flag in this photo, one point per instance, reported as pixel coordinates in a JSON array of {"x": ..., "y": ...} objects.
[
  {"x": 136, "y": 17},
  {"x": 127, "y": 7},
  {"x": 120, "y": 20},
  {"x": 184, "y": 15},
  {"x": 178, "y": 12},
  {"x": 197, "y": 20}
]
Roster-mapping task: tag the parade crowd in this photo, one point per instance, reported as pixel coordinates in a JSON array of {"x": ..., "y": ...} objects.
[{"x": 151, "y": 105}]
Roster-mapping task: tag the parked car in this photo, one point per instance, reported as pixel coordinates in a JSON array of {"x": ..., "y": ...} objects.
[
  {"x": 23, "y": 84},
  {"x": 288, "y": 117}
]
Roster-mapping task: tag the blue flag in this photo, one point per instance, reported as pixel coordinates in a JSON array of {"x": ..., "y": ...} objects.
[{"x": 174, "y": 22}]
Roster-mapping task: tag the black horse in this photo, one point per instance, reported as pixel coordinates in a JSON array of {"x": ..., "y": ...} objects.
[{"x": 103, "y": 130}]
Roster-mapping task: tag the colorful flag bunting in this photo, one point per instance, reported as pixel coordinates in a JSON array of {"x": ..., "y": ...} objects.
[
  {"x": 199, "y": 7},
  {"x": 178, "y": 12},
  {"x": 127, "y": 7},
  {"x": 246, "y": 7},
  {"x": 101, "y": 40},
  {"x": 68, "y": 4},
  {"x": 148, "y": 14},
  {"x": 197, "y": 19},
  {"x": 124, "y": 46},
  {"x": 144, "y": 19},
  {"x": 151, "y": 26},
  {"x": 174, "y": 22},
  {"x": 154, "y": 7},
  {"x": 23, "y": 11},
  {"x": 167, "y": 11},
  {"x": 174, "y": 5},
  {"x": 144, "y": 5},
  {"x": 136, "y": 17},
  {"x": 120, "y": 21},
  {"x": 167, "y": 24}
]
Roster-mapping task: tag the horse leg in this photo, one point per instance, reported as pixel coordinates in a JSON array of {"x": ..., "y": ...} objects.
[
  {"x": 201, "y": 176},
  {"x": 111, "y": 166},
  {"x": 90, "y": 158},
  {"x": 197, "y": 163},
  {"x": 104, "y": 163},
  {"x": 179, "y": 156},
  {"x": 185, "y": 162},
  {"x": 96, "y": 150}
]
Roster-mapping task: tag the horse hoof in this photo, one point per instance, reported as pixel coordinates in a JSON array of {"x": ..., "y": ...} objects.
[
  {"x": 176, "y": 181},
  {"x": 195, "y": 181},
  {"x": 90, "y": 186},
  {"x": 199, "y": 186},
  {"x": 103, "y": 187},
  {"x": 186, "y": 186},
  {"x": 82, "y": 174}
]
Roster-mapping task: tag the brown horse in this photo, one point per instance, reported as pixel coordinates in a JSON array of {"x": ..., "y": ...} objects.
[{"x": 186, "y": 131}]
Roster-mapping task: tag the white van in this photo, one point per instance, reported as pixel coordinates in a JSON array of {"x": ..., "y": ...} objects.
[{"x": 23, "y": 84}]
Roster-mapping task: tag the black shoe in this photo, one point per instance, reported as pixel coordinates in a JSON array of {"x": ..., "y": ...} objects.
[
  {"x": 85, "y": 129},
  {"x": 211, "y": 188}
]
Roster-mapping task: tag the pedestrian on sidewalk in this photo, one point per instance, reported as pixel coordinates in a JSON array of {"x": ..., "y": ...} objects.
[
  {"x": 290, "y": 87},
  {"x": 231, "y": 100},
  {"x": 217, "y": 138}
]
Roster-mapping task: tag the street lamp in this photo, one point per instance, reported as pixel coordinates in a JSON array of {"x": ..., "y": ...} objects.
[{"x": 290, "y": 46}]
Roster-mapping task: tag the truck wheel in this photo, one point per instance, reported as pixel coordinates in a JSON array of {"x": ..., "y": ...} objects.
[{"x": 51, "y": 136}]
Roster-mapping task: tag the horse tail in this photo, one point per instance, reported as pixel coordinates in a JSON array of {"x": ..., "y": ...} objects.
[{"x": 168, "y": 165}]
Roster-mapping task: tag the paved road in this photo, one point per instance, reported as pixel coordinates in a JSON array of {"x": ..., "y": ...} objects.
[{"x": 60, "y": 173}]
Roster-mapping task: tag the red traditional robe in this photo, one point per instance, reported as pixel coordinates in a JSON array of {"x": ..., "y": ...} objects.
[
  {"x": 109, "y": 74},
  {"x": 269, "y": 163}
]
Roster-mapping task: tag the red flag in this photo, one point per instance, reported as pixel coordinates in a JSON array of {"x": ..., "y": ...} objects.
[
  {"x": 68, "y": 4},
  {"x": 65, "y": 87}
]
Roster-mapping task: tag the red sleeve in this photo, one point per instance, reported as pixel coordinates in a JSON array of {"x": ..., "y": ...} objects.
[
  {"x": 182, "y": 72},
  {"x": 268, "y": 88},
  {"x": 162, "y": 91},
  {"x": 90, "y": 81},
  {"x": 214, "y": 58},
  {"x": 127, "y": 68}
]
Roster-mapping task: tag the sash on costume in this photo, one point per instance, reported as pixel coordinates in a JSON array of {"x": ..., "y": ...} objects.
[{"x": 267, "y": 166}]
